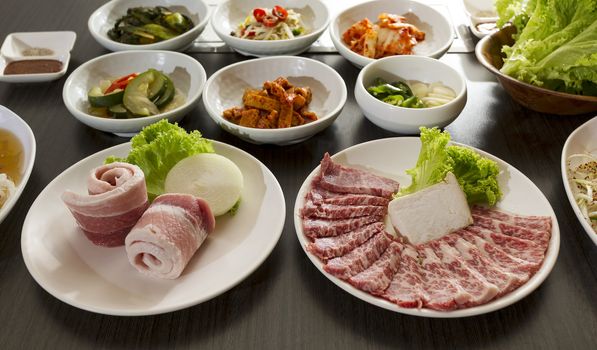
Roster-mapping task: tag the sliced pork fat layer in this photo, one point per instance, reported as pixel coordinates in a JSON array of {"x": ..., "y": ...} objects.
[
  {"x": 330, "y": 247},
  {"x": 168, "y": 234},
  {"x": 116, "y": 199},
  {"x": 338, "y": 178}
]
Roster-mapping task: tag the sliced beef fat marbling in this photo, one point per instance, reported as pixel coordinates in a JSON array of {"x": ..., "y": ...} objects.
[{"x": 339, "y": 178}]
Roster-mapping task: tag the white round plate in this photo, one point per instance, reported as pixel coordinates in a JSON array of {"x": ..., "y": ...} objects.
[
  {"x": 17, "y": 126},
  {"x": 391, "y": 157},
  {"x": 581, "y": 140},
  {"x": 98, "y": 279}
]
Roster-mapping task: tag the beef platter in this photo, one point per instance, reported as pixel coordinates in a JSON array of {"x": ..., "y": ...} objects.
[{"x": 344, "y": 219}]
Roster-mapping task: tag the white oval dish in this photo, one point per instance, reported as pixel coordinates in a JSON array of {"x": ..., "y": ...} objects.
[
  {"x": 225, "y": 89},
  {"x": 104, "y": 18},
  {"x": 17, "y": 126},
  {"x": 61, "y": 43},
  {"x": 101, "y": 280},
  {"x": 230, "y": 14},
  {"x": 408, "y": 120},
  {"x": 186, "y": 72},
  {"x": 391, "y": 157},
  {"x": 581, "y": 140},
  {"x": 438, "y": 30}
]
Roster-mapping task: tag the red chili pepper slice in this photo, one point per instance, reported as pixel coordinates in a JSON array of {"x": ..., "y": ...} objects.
[
  {"x": 280, "y": 12},
  {"x": 270, "y": 21},
  {"x": 120, "y": 83},
  {"x": 259, "y": 14}
]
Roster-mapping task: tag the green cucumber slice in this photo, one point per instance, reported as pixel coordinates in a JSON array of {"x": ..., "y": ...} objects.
[
  {"x": 168, "y": 94},
  {"x": 136, "y": 94},
  {"x": 98, "y": 99},
  {"x": 118, "y": 111},
  {"x": 158, "y": 86}
]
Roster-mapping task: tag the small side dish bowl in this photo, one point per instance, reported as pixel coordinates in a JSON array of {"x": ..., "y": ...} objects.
[
  {"x": 581, "y": 141},
  {"x": 104, "y": 18},
  {"x": 489, "y": 53},
  {"x": 438, "y": 30},
  {"x": 225, "y": 89},
  {"x": 228, "y": 15},
  {"x": 186, "y": 72},
  {"x": 408, "y": 120},
  {"x": 16, "y": 46},
  {"x": 17, "y": 126}
]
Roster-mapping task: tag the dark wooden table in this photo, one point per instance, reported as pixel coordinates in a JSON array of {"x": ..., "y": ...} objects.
[{"x": 287, "y": 303}]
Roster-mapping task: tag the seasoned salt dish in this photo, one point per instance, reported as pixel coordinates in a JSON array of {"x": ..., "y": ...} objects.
[{"x": 50, "y": 48}]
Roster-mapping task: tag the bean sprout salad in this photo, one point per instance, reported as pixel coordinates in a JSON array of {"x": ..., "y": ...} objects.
[
  {"x": 584, "y": 179},
  {"x": 277, "y": 23}
]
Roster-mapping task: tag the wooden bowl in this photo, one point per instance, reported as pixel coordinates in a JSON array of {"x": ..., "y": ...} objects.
[{"x": 489, "y": 53}]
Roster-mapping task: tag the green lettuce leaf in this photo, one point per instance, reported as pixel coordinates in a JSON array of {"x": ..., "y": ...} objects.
[
  {"x": 158, "y": 147},
  {"x": 433, "y": 163},
  {"x": 476, "y": 175},
  {"x": 556, "y": 47}
]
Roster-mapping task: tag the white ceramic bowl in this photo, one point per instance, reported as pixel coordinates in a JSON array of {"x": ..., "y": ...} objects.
[
  {"x": 581, "y": 140},
  {"x": 225, "y": 89},
  {"x": 230, "y": 14},
  {"x": 11, "y": 122},
  {"x": 408, "y": 120},
  {"x": 104, "y": 18},
  {"x": 437, "y": 28},
  {"x": 186, "y": 72}
]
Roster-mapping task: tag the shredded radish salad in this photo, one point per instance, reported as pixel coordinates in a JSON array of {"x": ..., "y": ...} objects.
[
  {"x": 276, "y": 23},
  {"x": 584, "y": 179}
]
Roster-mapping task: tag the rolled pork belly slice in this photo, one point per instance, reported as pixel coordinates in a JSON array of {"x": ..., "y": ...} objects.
[
  {"x": 168, "y": 234},
  {"x": 116, "y": 199}
]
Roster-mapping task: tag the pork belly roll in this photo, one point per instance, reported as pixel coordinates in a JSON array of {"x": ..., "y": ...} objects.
[
  {"x": 168, "y": 235},
  {"x": 116, "y": 199}
]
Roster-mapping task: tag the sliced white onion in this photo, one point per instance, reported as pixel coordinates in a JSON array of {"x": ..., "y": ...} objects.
[{"x": 210, "y": 176}]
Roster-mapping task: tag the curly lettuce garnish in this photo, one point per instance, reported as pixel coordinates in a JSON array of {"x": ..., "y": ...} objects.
[{"x": 476, "y": 175}]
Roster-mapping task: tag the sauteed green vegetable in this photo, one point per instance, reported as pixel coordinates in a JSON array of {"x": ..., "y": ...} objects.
[{"x": 147, "y": 25}]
